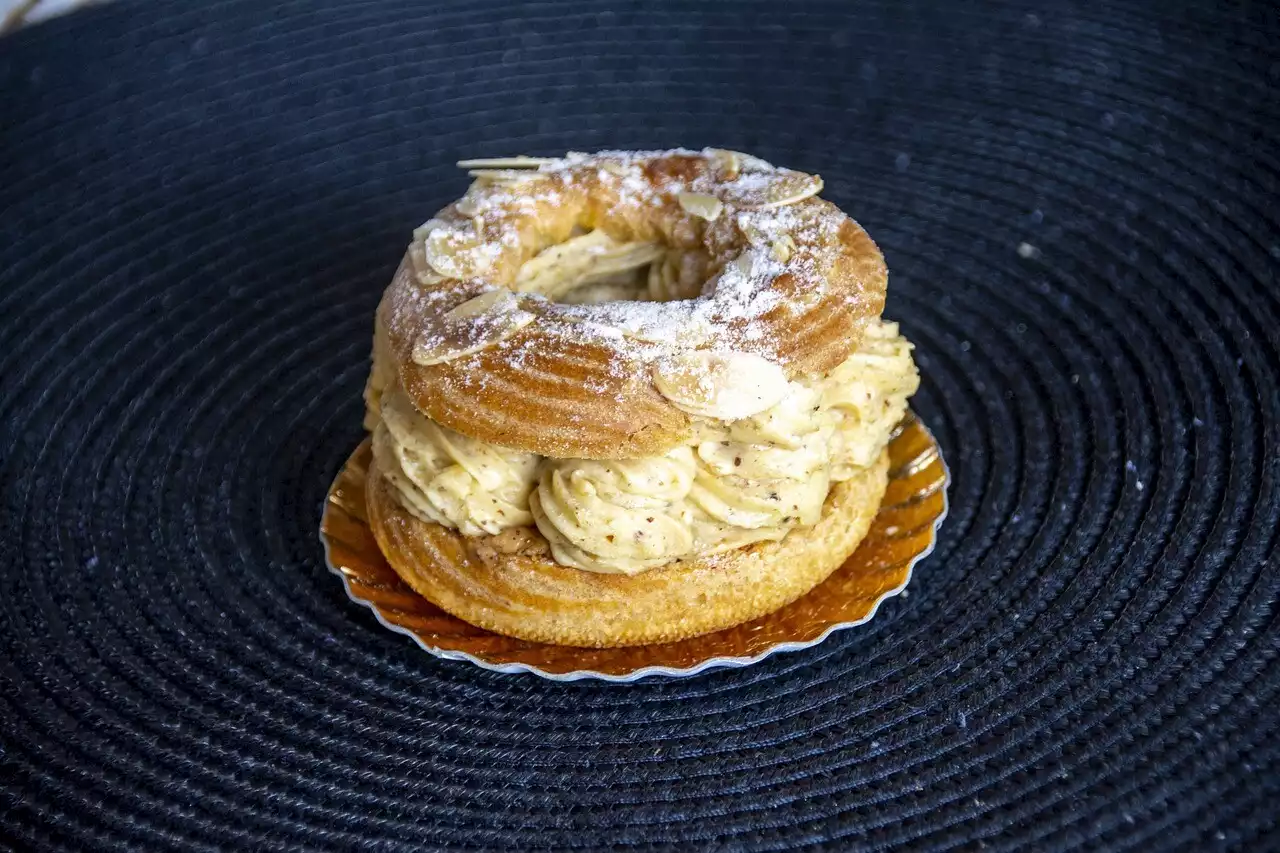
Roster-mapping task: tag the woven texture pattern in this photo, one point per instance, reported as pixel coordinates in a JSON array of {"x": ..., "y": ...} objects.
[{"x": 199, "y": 206}]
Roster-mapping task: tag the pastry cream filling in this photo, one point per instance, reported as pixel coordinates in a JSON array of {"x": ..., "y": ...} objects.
[
  {"x": 738, "y": 481},
  {"x": 446, "y": 477}
]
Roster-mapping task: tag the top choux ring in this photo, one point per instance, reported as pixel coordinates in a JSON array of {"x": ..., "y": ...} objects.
[{"x": 758, "y": 281}]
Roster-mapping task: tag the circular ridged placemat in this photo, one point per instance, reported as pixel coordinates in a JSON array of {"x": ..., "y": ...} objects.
[{"x": 199, "y": 206}]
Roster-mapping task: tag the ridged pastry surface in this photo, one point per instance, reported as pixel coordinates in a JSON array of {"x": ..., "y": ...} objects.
[{"x": 789, "y": 279}]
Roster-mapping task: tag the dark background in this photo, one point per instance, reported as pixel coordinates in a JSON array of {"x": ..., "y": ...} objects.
[{"x": 199, "y": 206}]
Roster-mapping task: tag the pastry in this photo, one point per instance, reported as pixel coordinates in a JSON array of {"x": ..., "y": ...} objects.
[{"x": 631, "y": 397}]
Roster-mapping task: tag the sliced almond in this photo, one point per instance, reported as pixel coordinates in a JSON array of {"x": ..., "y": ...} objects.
[
  {"x": 765, "y": 190},
  {"x": 506, "y": 176},
  {"x": 747, "y": 163},
  {"x": 497, "y": 300},
  {"x": 670, "y": 325},
  {"x": 422, "y": 271},
  {"x": 783, "y": 248},
  {"x": 455, "y": 252},
  {"x": 474, "y": 325},
  {"x": 728, "y": 163},
  {"x": 518, "y": 162},
  {"x": 706, "y": 207},
  {"x": 756, "y": 237},
  {"x": 432, "y": 349},
  {"x": 695, "y": 331},
  {"x": 421, "y": 233},
  {"x": 723, "y": 385}
]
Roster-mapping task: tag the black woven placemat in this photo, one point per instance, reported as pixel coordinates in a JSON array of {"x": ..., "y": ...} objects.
[{"x": 199, "y": 206}]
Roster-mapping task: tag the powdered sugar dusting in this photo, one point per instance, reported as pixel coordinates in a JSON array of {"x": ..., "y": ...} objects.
[
  {"x": 768, "y": 232},
  {"x": 729, "y": 316},
  {"x": 749, "y": 182},
  {"x": 485, "y": 199}
]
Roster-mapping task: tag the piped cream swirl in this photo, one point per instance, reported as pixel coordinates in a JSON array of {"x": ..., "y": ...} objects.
[
  {"x": 740, "y": 481},
  {"x": 759, "y": 477},
  {"x": 624, "y": 515},
  {"x": 867, "y": 396},
  {"x": 382, "y": 376},
  {"x": 446, "y": 477}
]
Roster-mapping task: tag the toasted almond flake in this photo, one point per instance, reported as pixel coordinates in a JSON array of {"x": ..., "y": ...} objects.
[
  {"x": 506, "y": 176},
  {"x": 766, "y": 190},
  {"x": 474, "y": 325},
  {"x": 755, "y": 235},
  {"x": 707, "y": 207},
  {"x": 429, "y": 350},
  {"x": 724, "y": 385},
  {"x": 728, "y": 163},
  {"x": 452, "y": 253},
  {"x": 783, "y": 248},
  {"x": 497, "y": 300},
  {"x": 422, "y": 271},
  {"x": 693, "y": 332},
  {"x": 424, "y": 230},
  {"x": 748, "y": 163},
  {"x": 517, "y": 162}
]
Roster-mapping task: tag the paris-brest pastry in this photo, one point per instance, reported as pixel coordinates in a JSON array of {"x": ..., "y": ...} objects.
[{"x": 631, "y": 397}]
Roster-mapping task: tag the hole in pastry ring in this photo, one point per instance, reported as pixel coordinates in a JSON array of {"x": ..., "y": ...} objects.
[{"x": 791, "y": 281}]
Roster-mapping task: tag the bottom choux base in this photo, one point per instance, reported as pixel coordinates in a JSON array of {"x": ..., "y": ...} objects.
[{"x": 509, "y": 584}]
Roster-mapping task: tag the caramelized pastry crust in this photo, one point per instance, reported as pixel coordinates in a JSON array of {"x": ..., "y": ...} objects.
[{"x": 766, "y": 276}]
